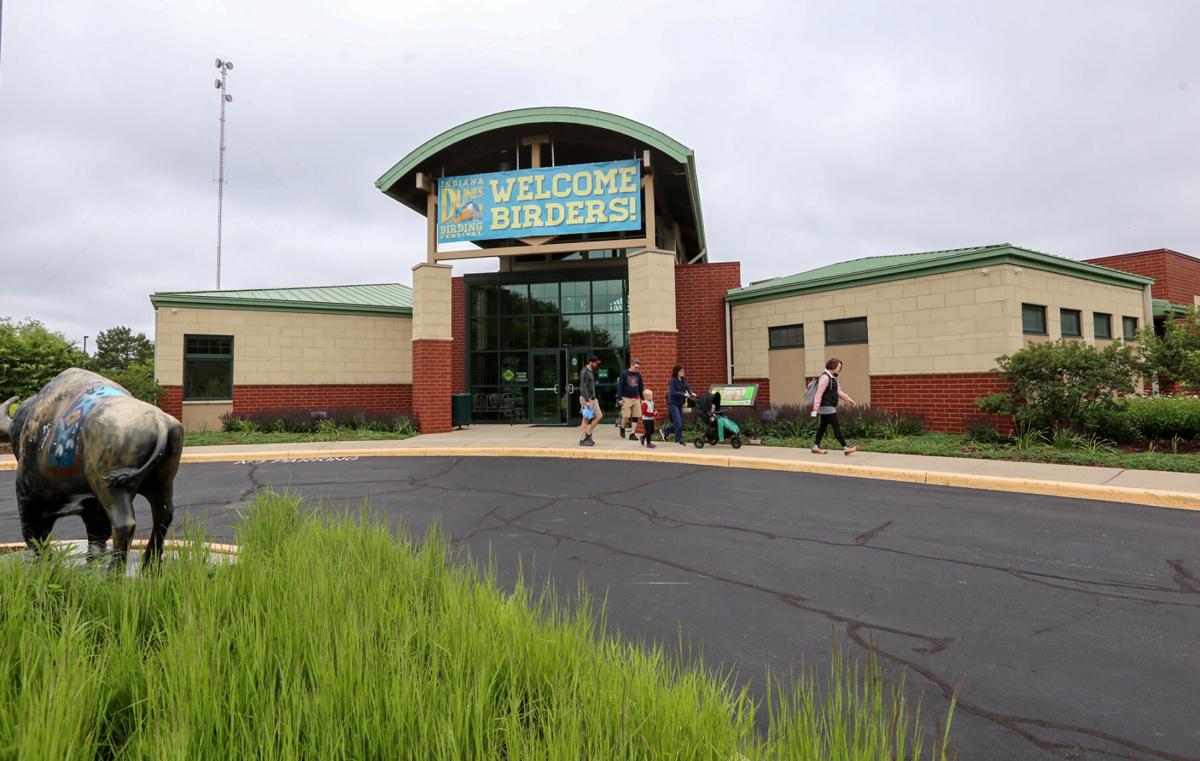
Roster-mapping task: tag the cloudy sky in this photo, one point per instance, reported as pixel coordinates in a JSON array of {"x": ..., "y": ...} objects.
[{"x": 823, "y": 130}]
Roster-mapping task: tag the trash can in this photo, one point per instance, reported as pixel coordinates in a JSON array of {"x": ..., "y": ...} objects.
[{"x": 460, "y": 410}]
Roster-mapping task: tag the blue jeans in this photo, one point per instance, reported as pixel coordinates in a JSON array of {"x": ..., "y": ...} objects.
[{"x": 676, "y": 423}]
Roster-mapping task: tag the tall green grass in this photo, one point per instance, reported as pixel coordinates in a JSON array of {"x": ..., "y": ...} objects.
[{"x": 332, "y": 639}]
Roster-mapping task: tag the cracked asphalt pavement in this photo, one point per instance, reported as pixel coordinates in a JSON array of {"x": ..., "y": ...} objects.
[{"x": 1071, "y": 628}]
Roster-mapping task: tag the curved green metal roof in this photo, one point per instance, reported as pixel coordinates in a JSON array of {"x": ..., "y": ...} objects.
[{"x": 560, "y": 114}]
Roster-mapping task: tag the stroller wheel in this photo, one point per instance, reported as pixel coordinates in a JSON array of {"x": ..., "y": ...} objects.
[
  {"x": 736, "y": 442},
  {"x": 699, "y": 442}
]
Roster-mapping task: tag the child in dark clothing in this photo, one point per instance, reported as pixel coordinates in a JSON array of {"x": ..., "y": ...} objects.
[{"x": 648, "y": 418}]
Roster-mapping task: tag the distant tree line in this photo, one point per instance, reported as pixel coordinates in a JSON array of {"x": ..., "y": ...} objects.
[{"x": 31, "y": 354}]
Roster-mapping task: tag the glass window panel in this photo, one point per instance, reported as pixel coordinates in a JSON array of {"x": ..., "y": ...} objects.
[
  {"x": 209, "y": 345},
  {"x": 1102, "y": 325},
  {"x": 543, "y": 298},
  {"x": 786, "y": 337},
  {"x": 544, "y": 333},
  {"x": 608, "y": 296},
  {"x": 483, "y": 301},
  {"x": 1129, "y": 328},
  {"x": 1033, "y": 319},
  {"x": 576, "y": 297},
  {"x": 483, "y": 334},
  {"x": 485, "y": 369},
  {"x": 514, "y": 369},
  {"x": 485, "y": 403},
  {"x": 514, "y": 299},
  {"x": 577, "y": 330},
  {"x": 514, "y": 333},
  {"x": 612, "y": 362},
  {"x": 608, "y": 330},
  {"x": 1070, "y": 322},
  {"x": 207, "y": 379},
  {"x": 852, "y": 331}
]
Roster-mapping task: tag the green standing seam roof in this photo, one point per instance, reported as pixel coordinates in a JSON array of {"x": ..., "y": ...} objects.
[
  {"x": 560, "y": 114},
  {"x": 390, "y": 299},
  {"x": 1164, "y": 308},
  {"x": 878, "y": 269}
]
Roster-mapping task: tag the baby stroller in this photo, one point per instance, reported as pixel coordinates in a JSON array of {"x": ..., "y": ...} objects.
[{"x": 708, "y": 411}]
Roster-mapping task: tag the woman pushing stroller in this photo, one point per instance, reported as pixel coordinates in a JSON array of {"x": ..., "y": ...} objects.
[
  {"x": 825, "y": 404},
  {"x": 678, "y": 393}
]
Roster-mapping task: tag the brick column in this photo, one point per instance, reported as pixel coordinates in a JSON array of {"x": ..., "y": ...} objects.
[
  {"x": 652, "y": 333},
  {"x": 432, "y": 342}
]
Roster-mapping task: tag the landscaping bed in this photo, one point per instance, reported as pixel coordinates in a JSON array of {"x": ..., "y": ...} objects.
[
  {"x": 330, "y": 638},
  {"x": 290, "y": 426}
]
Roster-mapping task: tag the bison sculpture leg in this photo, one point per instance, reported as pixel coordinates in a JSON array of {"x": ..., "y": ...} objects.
[
  {"x": 162, "y": 510},
  {"x": 37, "y": 519},
  {"x": 99, "y": 529},
  {"x": 118, "y": 504}
]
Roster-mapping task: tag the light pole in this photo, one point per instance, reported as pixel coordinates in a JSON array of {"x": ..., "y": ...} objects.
[{"x": 225, "y": 67}]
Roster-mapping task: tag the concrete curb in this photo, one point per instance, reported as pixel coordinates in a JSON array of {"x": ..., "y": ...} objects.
[{"x": 1150, "y": 497}]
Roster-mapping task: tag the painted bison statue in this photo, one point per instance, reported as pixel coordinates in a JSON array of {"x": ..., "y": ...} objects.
[{"x": 85, "y": 447}]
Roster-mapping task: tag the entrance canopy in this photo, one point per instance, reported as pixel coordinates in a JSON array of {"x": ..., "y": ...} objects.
[{"x": 534, "y": 138}]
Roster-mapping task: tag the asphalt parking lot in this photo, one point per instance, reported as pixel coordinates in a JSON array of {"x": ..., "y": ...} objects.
[{"x": 1071, "y": 628}]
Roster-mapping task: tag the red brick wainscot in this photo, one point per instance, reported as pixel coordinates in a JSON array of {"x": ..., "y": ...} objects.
[
  {"x": 171, "y": 402},
  {"x": 382, "y": 398},
  {"x": 432, "y": 384},
  {"x": 945, "y": 400}
]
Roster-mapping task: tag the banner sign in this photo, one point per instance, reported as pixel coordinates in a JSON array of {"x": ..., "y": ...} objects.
[
  {"x": 557, "y": 200},
  {"x": 736, "y": 395}
]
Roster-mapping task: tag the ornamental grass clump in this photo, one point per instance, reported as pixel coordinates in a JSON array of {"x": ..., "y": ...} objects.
[{"x": 330, "y": 638}]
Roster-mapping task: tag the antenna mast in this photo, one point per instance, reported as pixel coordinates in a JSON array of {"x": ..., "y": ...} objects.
[{"x": 225, "y": 67}]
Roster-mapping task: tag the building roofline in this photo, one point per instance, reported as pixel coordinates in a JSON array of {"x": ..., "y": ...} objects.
[
  {"x": 225, "y": 300},
  {"x": 1171, "y": 251},
  {"x": 954, "y": 260}
]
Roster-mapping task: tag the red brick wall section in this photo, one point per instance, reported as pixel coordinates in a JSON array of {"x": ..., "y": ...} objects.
[
  {"x": 384, "y": 398},
  {"x": 700, "y": 319},
  {"x": 171, "y": 402},
  {"x": 656, "y": 350},
  {"x": 431, "y": 387},
  {"x": 763, "y": 400},
  {"x": 1176, "y": 276},
  {"x": 947, "y": 401},
  {"x": 458, "y": 329}
]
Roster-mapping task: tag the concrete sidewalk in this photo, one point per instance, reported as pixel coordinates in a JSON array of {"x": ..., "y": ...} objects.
[{"x": 1162, "y": 489}]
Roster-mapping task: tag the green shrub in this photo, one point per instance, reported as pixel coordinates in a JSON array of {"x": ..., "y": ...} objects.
[
  {"x": 1114, "y": 422},
  {"x": 981, "y": 430},
  {"x": 1164, "y": 417},
  {"x": 1060, "y": 384}
]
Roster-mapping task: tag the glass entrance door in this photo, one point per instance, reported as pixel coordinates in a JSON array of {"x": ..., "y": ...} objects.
[{"x": 546, "y": 399}]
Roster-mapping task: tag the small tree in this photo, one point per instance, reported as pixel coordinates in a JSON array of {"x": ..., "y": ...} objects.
[
  {"x": 30, "y": 355},
  {"x": 118, "y": 348},
  {"x": 138, "y": 379},
  {"x": 1062, "y": 383},
  {"x": 1175, "y": 356}
]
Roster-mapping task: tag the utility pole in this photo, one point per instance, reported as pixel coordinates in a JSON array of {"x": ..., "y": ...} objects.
[
  {"x": 85, "y": 338},
  {"x": 225, "y": 67}
]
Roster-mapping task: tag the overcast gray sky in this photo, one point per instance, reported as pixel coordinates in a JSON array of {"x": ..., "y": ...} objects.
[{"x": 823, "y": 130}]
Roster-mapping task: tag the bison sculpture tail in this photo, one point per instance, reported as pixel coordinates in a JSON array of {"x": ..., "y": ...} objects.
[{"x": 124, "y": 476}]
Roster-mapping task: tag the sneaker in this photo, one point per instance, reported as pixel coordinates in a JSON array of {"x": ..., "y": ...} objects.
[
  {"x": 650, "y": 445},
  {"x": 589, "y": 438},
  {"x": 849, "y": 450},
  {"x": 662, "y": 435},
  {"x": 587, "y": 442},
  {"x": 818, "y": 450},
  {"x": 633, "y": 436},
  {"x": 621, "y": 432},
  {"x": 681, "y": 443}
]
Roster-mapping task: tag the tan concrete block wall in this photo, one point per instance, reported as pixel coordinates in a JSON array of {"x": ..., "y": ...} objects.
[
  {"x": 290, "y": 348},
  {"x": 652, "y": 291},
  {"x": 204, "y": 416},
  {"x": 956, "y": 322},
  {"x": 432, "y": 294},
  {"x": 786, "y": 373}
]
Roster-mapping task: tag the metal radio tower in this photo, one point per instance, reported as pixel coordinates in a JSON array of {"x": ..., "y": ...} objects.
[{"x": 225, "y": 67}]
